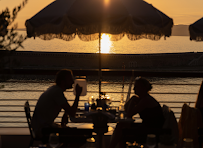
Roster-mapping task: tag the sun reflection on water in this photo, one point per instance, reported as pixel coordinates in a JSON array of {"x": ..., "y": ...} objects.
[{"x": 105, "y": 43}]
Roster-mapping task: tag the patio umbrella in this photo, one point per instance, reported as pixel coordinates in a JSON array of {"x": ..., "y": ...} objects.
[
  {"x": 196, "y": 30},
  {"x": 64, "y": 19}
]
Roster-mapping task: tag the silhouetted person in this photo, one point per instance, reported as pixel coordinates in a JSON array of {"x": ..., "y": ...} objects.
[
  {"x": 143, "y": 104},
  {"x": 52, "y": 101}
]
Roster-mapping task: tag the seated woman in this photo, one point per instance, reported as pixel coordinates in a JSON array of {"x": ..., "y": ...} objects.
[{"x": 145, "y": 105}]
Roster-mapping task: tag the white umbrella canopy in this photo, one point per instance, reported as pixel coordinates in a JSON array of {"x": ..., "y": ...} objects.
[
  {"x": 64, "y": 19},
  {"x": 196, "y": 30}
]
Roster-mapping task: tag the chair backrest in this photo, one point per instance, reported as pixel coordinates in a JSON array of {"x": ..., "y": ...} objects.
[
  {"x": 28, "y": 116},
  {"x": 189, "y": 122},
  {"x": 170, "y": 123}
]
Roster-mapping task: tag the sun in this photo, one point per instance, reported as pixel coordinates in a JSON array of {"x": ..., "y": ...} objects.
[{"x": 105, "y": 43}]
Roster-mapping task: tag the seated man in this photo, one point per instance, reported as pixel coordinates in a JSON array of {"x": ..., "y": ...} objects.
[{"x": 52, "y": 101}]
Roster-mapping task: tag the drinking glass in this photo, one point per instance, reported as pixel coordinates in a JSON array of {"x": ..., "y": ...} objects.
[
  {"x": 151, "y": 141},
  {"x": 108, "y": 99},
  {"x": 54, "y": 140},
  {"x": 91, "y": 100},
  {"x": 187, "y": 143}
]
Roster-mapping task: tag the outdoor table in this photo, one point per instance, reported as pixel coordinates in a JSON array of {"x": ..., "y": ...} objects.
[
  {"x": 85, "y": 117},
  {"x": 99, "y": 119}
]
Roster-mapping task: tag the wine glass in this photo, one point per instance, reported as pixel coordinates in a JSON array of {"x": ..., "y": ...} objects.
[
  {"x": 151, "y": 141},
  {"x": 91, "y": 100},
  {"x": 108, "y": 100},
  {"x": 54, "y": 140},
  {"x": 187, "y": 143}
]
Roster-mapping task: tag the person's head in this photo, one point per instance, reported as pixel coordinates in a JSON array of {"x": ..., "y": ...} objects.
[
  {"x": 142, "y": 86},
  {"x": 64, "y": 78}
]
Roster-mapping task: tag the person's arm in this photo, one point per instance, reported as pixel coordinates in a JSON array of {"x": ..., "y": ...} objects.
[
  {"x": 127, "y": 103},
  {"x": 132, "y": 101},
  {"x": 71, "y": 110},
  {"x": 135, "y": 108}
]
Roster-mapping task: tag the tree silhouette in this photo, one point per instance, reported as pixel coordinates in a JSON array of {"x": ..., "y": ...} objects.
[{"x": 10, "y": 40}]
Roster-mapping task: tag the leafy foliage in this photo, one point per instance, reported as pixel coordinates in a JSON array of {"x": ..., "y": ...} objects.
[{"x": 9, "y": 38}]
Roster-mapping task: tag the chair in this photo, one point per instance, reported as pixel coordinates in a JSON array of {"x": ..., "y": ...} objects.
[
  {"x": 168, "y": 134},
  {"x": 171, "y": 123},
  {"x": 67, "y": 135},
  {"x": 189, "y": 123},
  {"x": 28, "y": 116}
]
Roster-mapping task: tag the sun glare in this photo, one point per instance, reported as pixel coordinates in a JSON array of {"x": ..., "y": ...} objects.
[
  {"x": 105, "y": 43},
  {"x": 106, "y": 2}
]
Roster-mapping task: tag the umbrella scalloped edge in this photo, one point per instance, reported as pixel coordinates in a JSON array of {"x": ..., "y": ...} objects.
[{"x": 48, "y": 32}]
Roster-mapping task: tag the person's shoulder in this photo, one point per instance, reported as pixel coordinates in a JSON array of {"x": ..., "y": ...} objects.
[
  {"x": 152, "y": 98},
  {"x": 135, "y": 98},
  {"x": 54, "y": 87},
  {"x": 154, "y": 103}
]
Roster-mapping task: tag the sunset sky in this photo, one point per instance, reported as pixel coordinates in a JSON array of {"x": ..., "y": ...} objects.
[{"x": 182, "y": 11}]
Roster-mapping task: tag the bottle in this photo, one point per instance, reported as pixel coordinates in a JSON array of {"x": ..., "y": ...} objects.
[
  {"x": 121, "y": 109},
  {"x": 92, "y": 103},
  {"x": 82, "y": 83},
  {"x": 93, "y": 106},
  {"x": 87, "y": 105}
]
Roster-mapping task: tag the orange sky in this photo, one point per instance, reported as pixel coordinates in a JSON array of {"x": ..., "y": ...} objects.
[{"x": 182, "y": 11}]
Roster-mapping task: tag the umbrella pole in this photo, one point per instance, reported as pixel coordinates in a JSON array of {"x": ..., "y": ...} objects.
[{"x": 100, "y": 77}]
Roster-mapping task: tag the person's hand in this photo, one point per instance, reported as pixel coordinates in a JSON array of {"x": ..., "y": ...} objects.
[
  {"x": 78, "y": 90},
  {"x": 64, "y": 120}
]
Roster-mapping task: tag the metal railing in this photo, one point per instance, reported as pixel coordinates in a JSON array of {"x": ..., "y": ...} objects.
[{"x": 12, "y": 115}]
